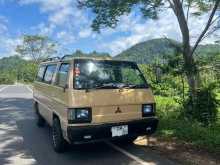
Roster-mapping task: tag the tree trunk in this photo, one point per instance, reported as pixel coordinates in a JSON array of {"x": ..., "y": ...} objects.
[
  {"x": 191, "y": 74},
  {"x": 189, "y": 63}
]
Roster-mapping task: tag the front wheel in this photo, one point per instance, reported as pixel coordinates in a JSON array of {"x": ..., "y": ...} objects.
[{"x": 57, "y": 137}]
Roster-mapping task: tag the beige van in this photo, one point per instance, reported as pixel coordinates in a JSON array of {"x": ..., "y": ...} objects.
[{"x": 92, "y": 99}]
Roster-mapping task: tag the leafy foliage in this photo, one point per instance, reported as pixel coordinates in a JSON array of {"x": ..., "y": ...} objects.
[
  {"x": 205, "y": 107},
  {"x": 6, "y": 78},
  {"x": 14, "y": 68},
  {"x": 108, "y": 12},
  {"x": 36, "y": 47}
]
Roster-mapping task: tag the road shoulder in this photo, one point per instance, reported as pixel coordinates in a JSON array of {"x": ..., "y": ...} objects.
[{"x": 181, "y": 152}]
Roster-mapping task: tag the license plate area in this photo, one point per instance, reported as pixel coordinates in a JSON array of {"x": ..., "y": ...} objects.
[{"x": 119, "y": 130}]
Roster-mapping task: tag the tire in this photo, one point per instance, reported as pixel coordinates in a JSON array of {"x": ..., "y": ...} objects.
[
  {"x": 58, "y": 141},
  {"x": 39, "y": 118}
]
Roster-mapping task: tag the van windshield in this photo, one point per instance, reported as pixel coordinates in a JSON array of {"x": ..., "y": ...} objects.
[{"x": 91, "y": 74}]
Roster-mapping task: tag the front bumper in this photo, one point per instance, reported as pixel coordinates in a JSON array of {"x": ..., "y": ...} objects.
[{"x": 89, "y": 133}]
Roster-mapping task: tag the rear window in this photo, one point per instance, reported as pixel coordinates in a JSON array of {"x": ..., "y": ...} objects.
[
  {"x": 40, "y": 74},
  {"x": 49, "y": 73}
]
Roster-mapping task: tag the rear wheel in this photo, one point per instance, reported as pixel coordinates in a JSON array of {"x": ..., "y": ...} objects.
[
  {"x": 58, "y": 141},
  {"x": 39, "y": 118}
]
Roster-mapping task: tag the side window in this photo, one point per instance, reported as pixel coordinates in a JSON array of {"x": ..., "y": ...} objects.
[
  {"x": 62, "y": 75},
  {"x": 49, "y": 73},
  {"x": 40, "y": 73}
]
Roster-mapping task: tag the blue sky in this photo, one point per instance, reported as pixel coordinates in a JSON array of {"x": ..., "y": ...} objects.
[{"x": 63, "y": 22}]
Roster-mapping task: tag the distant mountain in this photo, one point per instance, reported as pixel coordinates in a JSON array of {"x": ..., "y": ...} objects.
[{"x": 156, "y": 49}]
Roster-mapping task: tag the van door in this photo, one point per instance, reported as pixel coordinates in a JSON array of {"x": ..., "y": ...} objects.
[
  {"x": 60, "y": 91},
  {"x": 46, "y": 90}
]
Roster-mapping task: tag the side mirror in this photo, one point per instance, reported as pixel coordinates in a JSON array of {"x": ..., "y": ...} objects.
[{"x": 65, "y": 87}]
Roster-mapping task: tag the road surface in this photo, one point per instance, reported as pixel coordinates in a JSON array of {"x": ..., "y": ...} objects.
[{"x": 23, "y": 143}]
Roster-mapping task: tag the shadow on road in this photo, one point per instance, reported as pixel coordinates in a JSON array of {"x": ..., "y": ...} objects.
[
  {"x": 11, "y": 144},
  {"x": 22, "y": 142}
]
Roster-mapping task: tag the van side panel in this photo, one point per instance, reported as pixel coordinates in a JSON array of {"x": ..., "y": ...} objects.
[
  {"x": 42, "y": 94},
  {"x": 60, "y": 101}
]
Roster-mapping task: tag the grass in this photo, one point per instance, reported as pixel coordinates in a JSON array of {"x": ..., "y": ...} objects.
[{"x": 172, "y": 125}]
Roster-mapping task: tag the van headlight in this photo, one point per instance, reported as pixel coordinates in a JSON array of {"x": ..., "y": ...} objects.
[
  {"x": 148, "y": 110},
  {"x": 79, "y": 115}
]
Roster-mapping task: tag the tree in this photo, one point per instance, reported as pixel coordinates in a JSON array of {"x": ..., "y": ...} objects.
[
  {"x": 36, "y": 47},
  {"x": 107, "y": 13}
]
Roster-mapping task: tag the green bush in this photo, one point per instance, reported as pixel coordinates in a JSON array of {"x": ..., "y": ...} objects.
[
  {"x": 166, "y": 107},
  {"x": 173, "y": 124},
  {"x": 204, "y": 108},
  {"x": 191, "y": 132},
  {"x": 6, "y": 78}
]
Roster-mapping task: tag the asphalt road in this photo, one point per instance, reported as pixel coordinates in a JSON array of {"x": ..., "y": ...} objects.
[{"x": 23, "y": 143}]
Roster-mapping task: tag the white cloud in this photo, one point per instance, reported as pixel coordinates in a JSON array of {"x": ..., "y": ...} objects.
[
  {"x": 44, "y": 29},
  {"x": 8, "y": 45},
  {"x": 85, "y": 33},
  {"x": 60, "y": 17},
  {"x": 64, "y": 22},
  {"x": 65, "y": 37},
  {"x": 59, "y": 10},
  {"x": 3, "y": 25}
]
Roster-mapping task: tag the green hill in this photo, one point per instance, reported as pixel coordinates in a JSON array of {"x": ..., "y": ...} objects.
[{"x": 156, "y": 49}]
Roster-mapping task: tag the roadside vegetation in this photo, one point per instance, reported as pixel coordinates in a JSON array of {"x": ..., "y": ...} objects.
[{"x": 200, "y": 129}]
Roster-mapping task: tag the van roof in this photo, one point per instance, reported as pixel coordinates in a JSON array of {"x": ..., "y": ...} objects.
[{"x": 70, "y": 58}]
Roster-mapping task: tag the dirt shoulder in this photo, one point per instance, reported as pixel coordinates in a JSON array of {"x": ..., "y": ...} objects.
[{"x": 184, "y": 153}]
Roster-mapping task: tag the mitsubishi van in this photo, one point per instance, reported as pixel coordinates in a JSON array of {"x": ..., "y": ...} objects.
[{"x": 87, "y": 99}]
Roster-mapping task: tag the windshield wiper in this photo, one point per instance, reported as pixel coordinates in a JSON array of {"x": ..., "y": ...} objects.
[
  {"x": 103, "y": 86},
  {"x": 106, "y": 86},
  {"x": 128, "y": 86},
  {"x": 116, "y": 86}
]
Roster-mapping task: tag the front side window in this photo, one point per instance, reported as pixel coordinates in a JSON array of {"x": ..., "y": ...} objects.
[
  {"x": 49, "y": 73},
  {"x": 107, "y": 74},
  {"x": 62, "y": 75},
  {"x": 40, "y": 73}
]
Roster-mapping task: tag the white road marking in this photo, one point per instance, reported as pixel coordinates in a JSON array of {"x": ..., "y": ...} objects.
[
  {"x": 1, "y": 89},
  {"x": 29, "y": 88},
  {"x": 137, "y": 159}
]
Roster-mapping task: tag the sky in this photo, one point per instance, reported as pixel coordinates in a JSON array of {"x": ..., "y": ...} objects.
[{"x": 69, "y": 26}]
